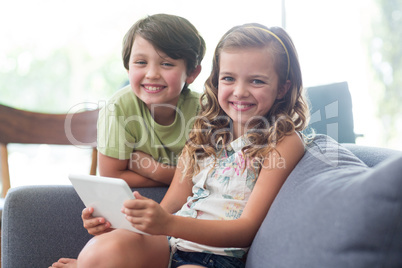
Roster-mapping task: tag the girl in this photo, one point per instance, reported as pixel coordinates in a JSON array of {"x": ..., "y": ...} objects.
[{"x": 243, "y": 146}]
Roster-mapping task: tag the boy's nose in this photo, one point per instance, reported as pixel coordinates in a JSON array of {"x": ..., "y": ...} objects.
[{"x": 152, "y": 72}]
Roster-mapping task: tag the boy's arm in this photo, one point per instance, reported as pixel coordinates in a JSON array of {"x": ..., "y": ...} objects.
[
  {"x": 116, "y": 168},
  {"x": 146, "y": 166}
]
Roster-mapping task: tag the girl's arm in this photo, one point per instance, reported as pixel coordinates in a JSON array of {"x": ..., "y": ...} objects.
[
  {"x": 241, "y": 232},
  {"x": 179, "y": 189},
  {"x": 230, "y": 233},
  {"x": 116, "y": 168}
]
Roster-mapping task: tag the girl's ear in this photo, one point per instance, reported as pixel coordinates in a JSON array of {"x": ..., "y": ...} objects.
[
  {"x": 193, "y": 75},
  {"x": 283, "y": 90}
]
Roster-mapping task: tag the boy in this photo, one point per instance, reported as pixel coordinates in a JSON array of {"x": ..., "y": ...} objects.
[{"x": 144, "y": 126}]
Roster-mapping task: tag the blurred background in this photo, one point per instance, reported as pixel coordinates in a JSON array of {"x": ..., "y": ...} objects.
[{"x": 57, "y": 54}]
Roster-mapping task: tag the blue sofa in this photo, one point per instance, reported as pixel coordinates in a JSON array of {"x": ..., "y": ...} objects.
[
  {"x": 340, "y": 207},
  {"x": 333, "y": 211}
]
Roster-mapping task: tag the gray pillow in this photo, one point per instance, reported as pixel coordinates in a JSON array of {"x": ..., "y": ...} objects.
[{"x": 334, "y": 211}]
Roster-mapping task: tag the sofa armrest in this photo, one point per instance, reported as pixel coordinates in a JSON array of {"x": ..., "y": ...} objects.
[{"x": 43, "y": 223}]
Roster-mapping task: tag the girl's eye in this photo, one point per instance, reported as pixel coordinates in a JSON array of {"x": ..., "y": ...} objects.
[
  {"x": 167, "y": 64},
  {"x": 227, "y": 79}
]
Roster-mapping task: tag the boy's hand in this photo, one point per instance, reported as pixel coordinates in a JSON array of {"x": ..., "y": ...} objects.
[
  {"x": 147, "y": 215},
  {"x": 94, "y": 226}
]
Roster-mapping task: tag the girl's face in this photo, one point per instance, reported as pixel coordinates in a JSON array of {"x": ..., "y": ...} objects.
[
  {"x": 248, "y": 86},
  {"x": 154, "y": 77}
]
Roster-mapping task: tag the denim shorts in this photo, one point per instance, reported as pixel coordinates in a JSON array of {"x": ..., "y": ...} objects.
[{"x": 205, "y": 259}]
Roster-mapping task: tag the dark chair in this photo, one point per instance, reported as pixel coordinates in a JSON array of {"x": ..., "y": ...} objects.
[{"x": 331, "y": 112}]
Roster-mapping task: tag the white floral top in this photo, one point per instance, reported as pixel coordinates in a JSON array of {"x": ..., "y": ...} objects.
[{"x": 219, "y": 193}]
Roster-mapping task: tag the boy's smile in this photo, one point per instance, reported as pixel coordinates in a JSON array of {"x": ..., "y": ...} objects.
[{"x": 152, "y": 88}]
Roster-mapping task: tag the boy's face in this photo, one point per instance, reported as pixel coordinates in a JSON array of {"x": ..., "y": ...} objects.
[{"x": 154, "y": 77}]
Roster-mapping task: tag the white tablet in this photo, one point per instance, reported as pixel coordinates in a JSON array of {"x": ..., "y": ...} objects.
[{"x": 106, "y": 196}]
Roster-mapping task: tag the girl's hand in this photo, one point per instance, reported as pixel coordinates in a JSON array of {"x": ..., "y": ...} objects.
[
  {"x": 147, "y": 215},
  {"x": 94, "y": 226}
]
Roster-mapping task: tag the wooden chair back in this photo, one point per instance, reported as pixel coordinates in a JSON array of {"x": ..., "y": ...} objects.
[{"x": 19, "y": 126}]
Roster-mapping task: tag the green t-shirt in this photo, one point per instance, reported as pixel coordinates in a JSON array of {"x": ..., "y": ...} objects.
[{"x": 125, "y": 125}]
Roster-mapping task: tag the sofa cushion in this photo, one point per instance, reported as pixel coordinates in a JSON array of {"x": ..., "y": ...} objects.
[
  {"x": 371, "y": 156},
  {"x": 334, "y": 211}
]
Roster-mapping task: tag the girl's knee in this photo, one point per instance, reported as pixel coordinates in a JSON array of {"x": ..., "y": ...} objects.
[
  {"x": 111, "y": 249},
  {"x": 102, "y": 249}
]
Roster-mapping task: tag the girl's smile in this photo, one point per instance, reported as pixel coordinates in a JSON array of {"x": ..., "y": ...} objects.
[{"x": 241, "y": 106}]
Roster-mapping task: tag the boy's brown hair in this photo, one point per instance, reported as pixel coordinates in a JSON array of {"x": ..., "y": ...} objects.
[{"x": 173, "y": 35}]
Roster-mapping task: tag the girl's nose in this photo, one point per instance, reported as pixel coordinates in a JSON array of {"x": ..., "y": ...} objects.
[{"x": 240, "y": 91}]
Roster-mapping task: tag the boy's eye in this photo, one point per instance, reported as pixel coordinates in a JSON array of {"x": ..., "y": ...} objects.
[
  {"x": 168, "y": 64},
  {"x": 140, "y": 62},
  {"x": 257, "y": 81}
]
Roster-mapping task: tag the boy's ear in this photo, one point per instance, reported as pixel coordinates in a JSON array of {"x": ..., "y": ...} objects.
[
  {"x": 283, "y": 90},
  {"x": 193, "y": 75}
]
